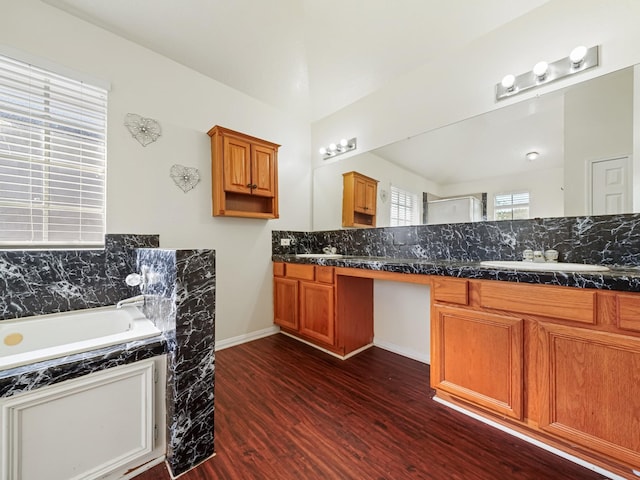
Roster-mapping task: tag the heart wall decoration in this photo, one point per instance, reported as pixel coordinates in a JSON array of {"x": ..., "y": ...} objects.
[
  {"x": 144, "y": 130},
  {"x": 185, "y": 177}
]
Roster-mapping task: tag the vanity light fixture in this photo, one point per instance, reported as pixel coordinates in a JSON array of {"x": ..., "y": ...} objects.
[
  {"x": 333, "y": 150},
  {"x": 580, "y": 59}
]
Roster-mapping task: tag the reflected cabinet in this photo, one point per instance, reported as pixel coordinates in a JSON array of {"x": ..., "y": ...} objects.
[{"x": 359, "y": 194}]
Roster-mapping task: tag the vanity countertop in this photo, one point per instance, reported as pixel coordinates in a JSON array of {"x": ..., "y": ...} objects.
[{"x": 617, "y": 278}]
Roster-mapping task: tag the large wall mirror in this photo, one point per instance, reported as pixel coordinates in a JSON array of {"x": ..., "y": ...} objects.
[{"x": 583, "y": 135}]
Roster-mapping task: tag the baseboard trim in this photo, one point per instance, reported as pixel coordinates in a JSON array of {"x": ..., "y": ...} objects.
[
  {"x": 247, "y": 337},
  {"x": 333, "y": 354},
  {"x": 531, "y": 440},
  {"x": 405, "y": 352}
]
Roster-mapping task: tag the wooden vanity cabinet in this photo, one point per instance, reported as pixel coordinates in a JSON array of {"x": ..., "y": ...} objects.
[
  {"x": 561, "y": 363},
  {"x": 306, "y": 306},
  {"x": 244, "y": 174},
  {"x": 359, "y": 195},
  {"x": 304, "y": 301}
]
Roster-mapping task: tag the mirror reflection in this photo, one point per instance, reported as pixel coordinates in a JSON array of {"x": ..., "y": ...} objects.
[{"x": 581, "y": 143}]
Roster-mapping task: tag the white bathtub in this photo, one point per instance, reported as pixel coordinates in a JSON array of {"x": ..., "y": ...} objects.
[{"x": 28, "y": 340}]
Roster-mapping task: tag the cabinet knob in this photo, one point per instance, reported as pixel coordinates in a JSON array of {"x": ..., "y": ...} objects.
[{"x": 254, "y": 186}]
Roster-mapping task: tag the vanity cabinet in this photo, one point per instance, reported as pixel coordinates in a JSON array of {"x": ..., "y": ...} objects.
[
  {"x": 479, "y": 358},
  {"x": 305, "y": 306},
  {"x": 359, "y": 194},
  {"x": 562, "y": 363},
  {"x": 244, "y": 174},
  {"x": 304, "y": 301}
]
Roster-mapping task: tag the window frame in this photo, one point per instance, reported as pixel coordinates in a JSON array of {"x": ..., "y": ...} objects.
[{"x": 81, "y": 182}]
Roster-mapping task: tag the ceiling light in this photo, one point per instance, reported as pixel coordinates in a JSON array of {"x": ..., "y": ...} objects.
[{"x": 532, "y": 156}]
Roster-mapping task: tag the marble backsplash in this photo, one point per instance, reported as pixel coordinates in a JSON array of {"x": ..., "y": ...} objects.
[
  {"x": 35, "y": 282},
  {"x": 607, "y": 239}
]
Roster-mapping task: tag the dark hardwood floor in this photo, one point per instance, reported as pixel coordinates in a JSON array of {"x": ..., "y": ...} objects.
[{"x": 287, "y": 411}]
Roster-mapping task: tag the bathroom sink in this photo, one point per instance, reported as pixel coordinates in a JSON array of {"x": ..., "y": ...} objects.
[
  {"x": 318, "y": 255},
  {"x": 544, "y": 266}
]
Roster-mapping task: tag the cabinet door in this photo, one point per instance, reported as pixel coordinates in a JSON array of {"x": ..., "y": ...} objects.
[
  {"x": 237, "y": 165},
  {"x": 360, "y": 195},
  {"x": 317, "y": 319},
  {"x": 285, "y": 303},
  {"x": 478, "y": 357},
  {"x": 590, "y": 391},
  {"x": 371, "y": 189},
  {"x": 263, "y": 171}
]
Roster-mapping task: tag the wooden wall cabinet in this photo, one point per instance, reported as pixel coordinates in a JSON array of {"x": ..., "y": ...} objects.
[
  {"x": 244, "y": 175},
  {"x": 359, "y": 195},
  {"x": 560, "y": 362}
]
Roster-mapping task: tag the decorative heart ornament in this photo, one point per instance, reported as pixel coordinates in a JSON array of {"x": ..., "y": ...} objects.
[
  {"x": 145, "y": 130},
  {"x": 185, "y": 177}
]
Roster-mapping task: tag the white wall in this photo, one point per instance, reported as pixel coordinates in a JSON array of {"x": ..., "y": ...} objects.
[
  {"x": 141, "y": 197},
  {"x": 544, "y": 186},
  {"x": 327, "y": 187},
  {"x": 401, "y": 319}
]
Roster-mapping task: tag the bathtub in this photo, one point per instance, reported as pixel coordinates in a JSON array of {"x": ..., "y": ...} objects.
[{"x": 33, "y": 339}]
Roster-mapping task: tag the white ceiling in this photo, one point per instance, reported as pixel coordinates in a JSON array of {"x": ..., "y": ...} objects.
[{"x": 308, "y": 57}]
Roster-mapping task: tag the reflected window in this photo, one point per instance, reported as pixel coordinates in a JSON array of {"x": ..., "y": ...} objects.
[
  {"x": 52, "y": 158},
  {"x": 511, "y": 206},
  {"x": 404, "y": 207}
]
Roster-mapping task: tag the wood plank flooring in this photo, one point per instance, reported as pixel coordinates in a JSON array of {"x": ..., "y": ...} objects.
[{"x": 287, "y": 411}]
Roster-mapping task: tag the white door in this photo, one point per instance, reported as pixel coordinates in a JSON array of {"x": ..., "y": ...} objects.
[{"x": 610, "y": 186}]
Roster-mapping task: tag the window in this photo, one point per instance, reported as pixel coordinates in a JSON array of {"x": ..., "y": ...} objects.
[
  {"x": 404, "y": 207},
  {"x": 52, "y": 158},
  {"x": 511, "y": 206}
]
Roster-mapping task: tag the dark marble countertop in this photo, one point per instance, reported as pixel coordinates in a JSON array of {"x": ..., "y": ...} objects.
[{"x": 617, "y": 278}]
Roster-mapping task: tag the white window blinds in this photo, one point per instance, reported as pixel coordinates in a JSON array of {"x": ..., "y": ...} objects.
[
  {"x": 52, "y": 158},
  {"x": 511, "y": 206},
  {"x": 404, "y": 207}
]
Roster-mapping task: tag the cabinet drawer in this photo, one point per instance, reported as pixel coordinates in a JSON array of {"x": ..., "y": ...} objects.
[
  {"x": 300, "y": 271},
  {"x": 324, "y": 274},
  {"x": 451, "y": 290},
  {"x": 278, "y": 269},
  {"x": 565, "y": 303},
  {"x": 629, "y": 312}
]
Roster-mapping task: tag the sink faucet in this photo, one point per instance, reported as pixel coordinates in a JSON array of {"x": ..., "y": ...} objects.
[{"x": 131, "y": 302}]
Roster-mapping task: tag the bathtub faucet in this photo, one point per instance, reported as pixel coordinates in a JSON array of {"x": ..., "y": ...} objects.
[{"x": 131, "y": 302}]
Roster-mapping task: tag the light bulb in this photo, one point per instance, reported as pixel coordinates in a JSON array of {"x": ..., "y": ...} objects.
[
  {"x": 344, "y": 142},
  {"x": 540, "y": 70},
  {"x": 508, "y": 81},
  {"x": 333, "y": 147},
  {"x": 532, "y": 156},
  {"x": 323, "y": 151},
  {"x": 577, "y": 55}
]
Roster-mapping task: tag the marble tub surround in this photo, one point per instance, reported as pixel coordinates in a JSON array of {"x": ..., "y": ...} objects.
[
  {"x": 49, "y": 372},
  {"x": 182, "y": 305},
  {"x": 36, "y": 282},
  {"x": 612, "y": 240}
]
